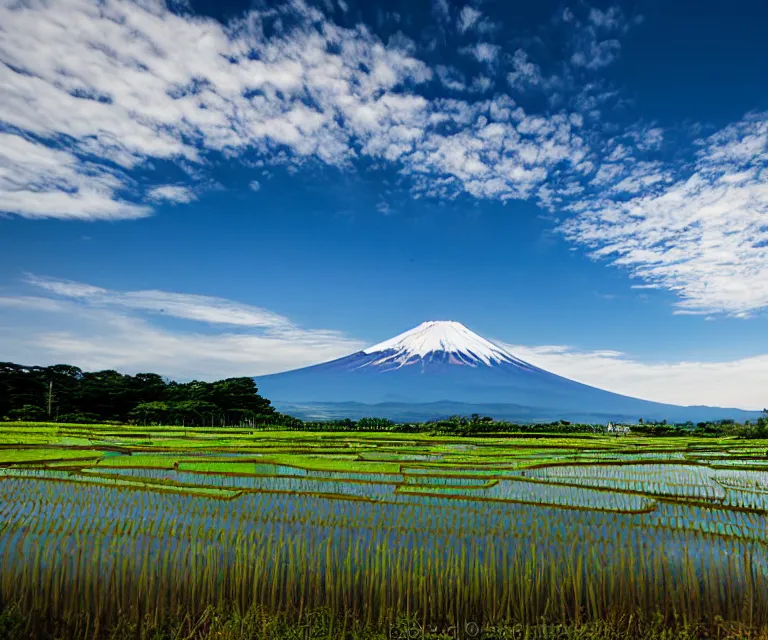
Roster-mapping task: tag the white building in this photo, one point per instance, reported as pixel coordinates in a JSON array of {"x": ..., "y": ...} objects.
[{"x": 617, "y": 429}]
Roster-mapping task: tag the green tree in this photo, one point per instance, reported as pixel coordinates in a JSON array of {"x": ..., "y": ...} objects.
[
  {"x": 63, "y": 380},
  {"x": 19, "y": 386},
  {"x": 149, "y": 412},
  {"x": 146, "y": 387},
  {"x": 107, "y": 393},
  {"x": 28, "y": 413},
  {"x": 77, "y": 396},
  {"x": 239, "y": 393}
]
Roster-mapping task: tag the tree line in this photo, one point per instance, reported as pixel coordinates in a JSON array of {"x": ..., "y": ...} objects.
[
  {"x": 713, "y": 428},
  {"x": 453, "y": 425},
  {"x": 476, "y": 425},
  {"x": 63, "y": 393}
]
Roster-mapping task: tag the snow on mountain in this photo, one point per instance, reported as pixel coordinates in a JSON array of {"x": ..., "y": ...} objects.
[
  {"x": 464, "y": 347},
  {"x": 441, "y": 366}
]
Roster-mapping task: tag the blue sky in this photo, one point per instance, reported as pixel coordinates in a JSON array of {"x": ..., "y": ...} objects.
[{"x": 211, "y": 189}]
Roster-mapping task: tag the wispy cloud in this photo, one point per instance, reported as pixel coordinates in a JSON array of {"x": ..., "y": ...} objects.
[
  {"x": 467, "y": 18},
  {"x": 207, "y": 309},
  {"x": 171, "y": 193},
  {"x": 109, "y": 80},
  {"x": 734, "y": 384},
  {"x": 441, "y": 9},
  {"x": 39, "y": 181},
  {"x": 98, "y": 328},
  {"x": 482, "y": 52},
  {"x": 451, "y": 78},
  {"x": 594, "y": 54},
  {"x": 699, "y": 230},
  {"x": 524, "y": 72},
  {"x": 594, "y": 41}
]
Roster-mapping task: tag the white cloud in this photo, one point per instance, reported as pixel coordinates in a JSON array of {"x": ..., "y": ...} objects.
[
  {"x": 734, "y": 384},
  {"x": 595, "y": 55},
  {"x": 96, "y": 328},
  {"x": 188, "y": 306},
  {"x": 482, "y": 52},
  {"x": 607, "y": 173},
  {"x": 468, "y": 18},
  {"x": 592, "y": 48},
  {"x": 524, "y": 73},
  {"x": 38, "y": 181},
  {"x": 106, "y": 77},
  {"x": 451, "y": 78},
  {"x": 493, "y": 149},
  {"x": 122, "y": 91},
  {"x": 641, "y": 177},
  {"x": 611, "y": 19},
  {"x": 254, "y": 185},
  {"x": 699, "y": 230},
  {"x": 648, "y": 138},
  {"x": 109, "y": 80},
  {"x": 171, "y": 193},
  {"x": 481, "y": 84}
]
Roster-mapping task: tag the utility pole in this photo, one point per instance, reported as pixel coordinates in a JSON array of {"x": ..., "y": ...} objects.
[{"x": 50, "y": 396}]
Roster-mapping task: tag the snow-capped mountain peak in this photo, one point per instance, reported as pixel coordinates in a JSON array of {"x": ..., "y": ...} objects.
[
  {"x": 442, "y": 368},
  {"x": 460, "y": 345}
]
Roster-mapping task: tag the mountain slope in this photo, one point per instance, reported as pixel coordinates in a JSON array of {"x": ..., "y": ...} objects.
[{"x": 438, "y": 368}]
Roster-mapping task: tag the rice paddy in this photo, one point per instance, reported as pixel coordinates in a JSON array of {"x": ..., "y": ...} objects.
[{"x": 374, "y": 527}]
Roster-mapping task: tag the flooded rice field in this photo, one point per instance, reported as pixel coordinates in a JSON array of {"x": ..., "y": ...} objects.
[{"x": 499, "y": 531}]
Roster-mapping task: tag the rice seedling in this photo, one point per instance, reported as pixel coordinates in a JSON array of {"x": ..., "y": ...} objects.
[{"x": 670, "y": 480}]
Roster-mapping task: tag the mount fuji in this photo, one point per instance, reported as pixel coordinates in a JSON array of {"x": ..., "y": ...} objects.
[{"x": 441, "y": 368}]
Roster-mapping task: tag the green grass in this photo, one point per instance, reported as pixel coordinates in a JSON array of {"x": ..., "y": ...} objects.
[
  {"x": 141, "y": 460},
  {"x": 32, "y": 456}
]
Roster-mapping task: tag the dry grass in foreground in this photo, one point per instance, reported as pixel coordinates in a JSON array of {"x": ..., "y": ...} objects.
[{"x": 321, "y": 624}]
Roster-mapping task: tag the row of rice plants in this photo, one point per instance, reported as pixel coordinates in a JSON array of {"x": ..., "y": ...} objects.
[
  {"x": 741, "y": 463},
  {"x": 643, "y": 456},
  {"x": 714, "y": 521},
  {"x": 70, "y": 476},
  {"x": 744, "y": 489},
  {"x": 373, "y": 490},
  {"x": 220, "y": 485},
  {"x": 683, "y": 481},
  {"x": 444, "y": 481},
  {"x": 753, "y": 481},
  {"x": 545, "y": 494},
  {"x": 735, "y": 488},
  {"x": 458, "y": 472}
]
